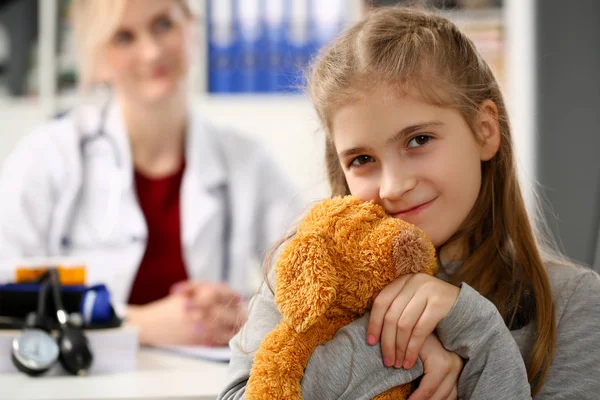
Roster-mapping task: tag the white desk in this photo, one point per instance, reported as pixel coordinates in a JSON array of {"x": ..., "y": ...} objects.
[{"x": 159, "y": 376}]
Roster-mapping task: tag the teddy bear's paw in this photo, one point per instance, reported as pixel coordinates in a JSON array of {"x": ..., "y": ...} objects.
[{"x": 413, "y": 252}]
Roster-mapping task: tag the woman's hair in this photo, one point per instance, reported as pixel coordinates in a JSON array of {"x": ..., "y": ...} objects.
[
  {"x": 94, "y": 22},
  {"x": 409, "y": 51}
]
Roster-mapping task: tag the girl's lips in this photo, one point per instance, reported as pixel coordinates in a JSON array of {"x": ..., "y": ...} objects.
[{"x": 412, "y": 211}]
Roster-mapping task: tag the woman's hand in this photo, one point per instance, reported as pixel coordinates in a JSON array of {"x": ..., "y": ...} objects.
[
  {"x": 441, "y": 371},
  {"x": 217, "y": 310},
  {"x": 164, "y": 321},
  {"x": 405, "y": 313}
]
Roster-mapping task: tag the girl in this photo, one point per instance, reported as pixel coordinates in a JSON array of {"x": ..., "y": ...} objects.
[
  {"x": 415, "y": 121},
  {"x": 143, "y": 190}
]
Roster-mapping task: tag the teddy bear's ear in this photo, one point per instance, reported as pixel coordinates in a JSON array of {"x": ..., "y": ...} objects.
[{"x": 305, "y": 281}]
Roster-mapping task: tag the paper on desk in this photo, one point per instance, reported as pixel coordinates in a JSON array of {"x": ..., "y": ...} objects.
[{"x": 222, "y": 354}]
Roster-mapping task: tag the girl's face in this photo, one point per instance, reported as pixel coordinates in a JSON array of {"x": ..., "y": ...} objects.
[
  {"x": 148, "y": 56},
  {"x": 420, "y": 162}
]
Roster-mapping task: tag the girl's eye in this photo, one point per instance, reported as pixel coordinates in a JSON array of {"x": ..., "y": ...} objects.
[
  {"x": 419, "y": 141},
  {"x": 361, "y": 160},
  {"x": 163, "y": 24},
  {"x": 123, "y": 38}
]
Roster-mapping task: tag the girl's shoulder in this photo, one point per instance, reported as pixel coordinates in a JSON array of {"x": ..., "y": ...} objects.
[
  {"x": 564, "y": 275},
  {"x": 572, "y": 284}
]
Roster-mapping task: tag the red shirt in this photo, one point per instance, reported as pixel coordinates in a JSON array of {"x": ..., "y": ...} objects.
[{"x": 162, "y": 265}]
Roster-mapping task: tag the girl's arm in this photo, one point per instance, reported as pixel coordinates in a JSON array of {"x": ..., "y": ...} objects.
[
  {"x": 495, "y": 367},
  {"x": 347, "y": 368},
  {"x": 336, "y": 369},
  {"x": 575, "y": 371}
]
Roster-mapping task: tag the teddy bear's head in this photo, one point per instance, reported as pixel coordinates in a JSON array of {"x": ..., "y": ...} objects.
[{"x": 344, "y": 251}]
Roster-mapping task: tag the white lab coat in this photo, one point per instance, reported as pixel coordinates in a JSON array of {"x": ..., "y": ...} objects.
[{"x": 54, "y": 202}]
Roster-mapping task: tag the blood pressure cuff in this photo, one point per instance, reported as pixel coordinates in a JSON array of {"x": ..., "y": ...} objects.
[{"x": 92, "y": 303}]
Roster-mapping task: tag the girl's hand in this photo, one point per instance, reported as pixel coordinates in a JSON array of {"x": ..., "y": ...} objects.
[
  {"x": 442, "y": 369},
  {"x": 217, "y": 310},
  {"x": 405, "y": 313}
]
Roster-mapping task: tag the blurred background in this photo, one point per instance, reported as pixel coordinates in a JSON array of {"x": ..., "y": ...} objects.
[{"x": 252, "y": 55}]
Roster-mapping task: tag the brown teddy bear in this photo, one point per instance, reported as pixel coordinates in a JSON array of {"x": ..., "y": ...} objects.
[{"x": 343, "y": 253}]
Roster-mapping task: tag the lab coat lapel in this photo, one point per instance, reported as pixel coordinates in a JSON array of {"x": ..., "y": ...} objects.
[
  {"x": 130, "y": 210},
  {"x": 205, "y": 175},
  {"x": 115, "y": 126}
]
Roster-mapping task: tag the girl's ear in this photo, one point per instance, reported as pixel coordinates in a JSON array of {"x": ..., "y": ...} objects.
[{"x": 488, "y": 130}]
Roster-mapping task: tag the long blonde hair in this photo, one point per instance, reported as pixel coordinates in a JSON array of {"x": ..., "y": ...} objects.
[
  {"x": 94, "y": 22},
  {"x": 408, "y": 48}
]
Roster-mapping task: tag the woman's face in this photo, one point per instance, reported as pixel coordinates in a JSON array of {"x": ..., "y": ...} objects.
[{"x": 147, "y": 58}]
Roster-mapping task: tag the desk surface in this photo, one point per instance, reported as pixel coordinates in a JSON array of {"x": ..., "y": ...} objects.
[{"x": 159, "y": 375}]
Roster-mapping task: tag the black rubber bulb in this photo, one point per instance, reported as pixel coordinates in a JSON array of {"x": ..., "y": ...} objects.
[{"x": 75, "y": 354}]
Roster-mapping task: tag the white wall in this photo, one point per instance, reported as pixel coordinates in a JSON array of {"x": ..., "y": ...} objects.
[
  {"x": 520, "y": 94},
  {"x": 16, "y": 118},
  {"x": 288, "y": 126}
]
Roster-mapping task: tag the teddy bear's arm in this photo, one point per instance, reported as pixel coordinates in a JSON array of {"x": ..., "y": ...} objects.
[
  {"x": 280, "y": 361},
  {"x": 278, "y": 366}
]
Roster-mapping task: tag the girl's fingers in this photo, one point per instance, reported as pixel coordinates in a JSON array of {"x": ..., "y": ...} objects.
[
  {"x": 389, "y": 332},
  {"x": 422, "y": 329},
  {"x": 380, "y": 307},
  {"x": 429, "y": 385},
  {"x": 437, "y": 384},
  {"x": 444, "y": 390},
  {"x": 453, "y": 394},
  {"x": 404, "y": 328}
]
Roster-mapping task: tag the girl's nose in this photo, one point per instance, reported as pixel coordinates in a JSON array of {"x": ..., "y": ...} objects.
[{"x": 395, "y": 183}]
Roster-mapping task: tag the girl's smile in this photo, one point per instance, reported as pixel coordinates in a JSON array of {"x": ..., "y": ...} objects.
[{"x": 411, "y": 211}]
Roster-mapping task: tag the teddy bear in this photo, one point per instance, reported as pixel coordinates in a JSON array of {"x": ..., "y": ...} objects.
[{"x": 344, "y": 251}]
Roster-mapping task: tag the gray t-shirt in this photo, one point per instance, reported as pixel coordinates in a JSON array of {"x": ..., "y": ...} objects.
[{"x": 348, "y": 368}]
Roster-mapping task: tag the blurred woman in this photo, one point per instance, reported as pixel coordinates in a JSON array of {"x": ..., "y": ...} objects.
[{"x": 169, "y": 211}]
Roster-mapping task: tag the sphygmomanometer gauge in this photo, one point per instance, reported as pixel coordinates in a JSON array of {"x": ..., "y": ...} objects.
[{"x": 34, "y": 351}]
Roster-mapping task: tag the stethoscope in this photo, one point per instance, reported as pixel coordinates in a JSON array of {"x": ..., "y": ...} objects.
[
  {"x": 110, "y": 216},
  {"x": 109, "y": 219}
]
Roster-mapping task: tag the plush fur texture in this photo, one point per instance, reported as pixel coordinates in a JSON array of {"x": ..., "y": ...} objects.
[{"x": 344, "y": 251}]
